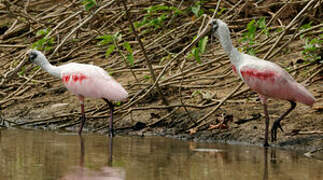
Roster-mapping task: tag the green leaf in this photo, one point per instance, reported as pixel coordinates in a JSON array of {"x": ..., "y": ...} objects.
[
  {"x": 196, "y": 53},
  {"x": 109, "y": 50},
  {"x": 202, "y": 44},
  {"x": 251, "y": 52},
  {"x": 153, "y": 9},
  {"x": 190, "y": 55},
  {"x": 42, "y": 32},
  {"x": 127, "y": 46},
  {"x": 89, "y": 4},
  {"x": 47, "y": 48},
  {"x": 221, "y": 11},
  {"x": 306, "y": 26},
  {"x": 43, "y": 44},
  {"x": 196, "y": 92},
  {"x": 147, "y": 77},
  {"x": 251, "y": 29},
  {"x": 176, "y": 11},
  {"x": 22, "y": 72},
  {"x": 36, "y": 68},
  {"x": 262, "y": 23},
  {"x": 130, "y": 59},
  {"x": 105, "y": 39},
  {"x": 196, "y": 10}
]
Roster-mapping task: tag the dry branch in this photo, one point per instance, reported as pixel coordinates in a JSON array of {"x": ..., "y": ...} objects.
[{"x": 159, "y": 52}]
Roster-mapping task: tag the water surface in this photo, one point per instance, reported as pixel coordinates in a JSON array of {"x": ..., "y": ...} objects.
[{"x": 30, "y": 154}]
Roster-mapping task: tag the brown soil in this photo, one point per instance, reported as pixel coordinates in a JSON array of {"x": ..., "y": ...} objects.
[{"x": 55, "y": 107}]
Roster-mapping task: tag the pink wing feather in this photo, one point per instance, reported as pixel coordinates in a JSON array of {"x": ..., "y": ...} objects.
[
  {"x": 268, "y": 79},
  {"x": 91, "y": 81}
]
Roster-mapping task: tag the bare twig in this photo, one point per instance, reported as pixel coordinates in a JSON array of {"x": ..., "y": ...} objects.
[
  {"x": 145, "y": 54},
  {"x": 216, "y": 108}
]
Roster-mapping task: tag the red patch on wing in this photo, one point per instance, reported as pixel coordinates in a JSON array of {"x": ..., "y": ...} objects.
[
  {"x": 82, "y": 77},
  {"x": 65, "y": 78},
  {"x": 263, "y": 75},
  {"x": 234, "y": 69},
  {"x": 75, "y": 77},
  {"x": 78, "y": 77}
]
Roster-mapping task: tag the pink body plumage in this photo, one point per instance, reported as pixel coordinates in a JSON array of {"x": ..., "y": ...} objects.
[
  {"x": 91, "y": 81},
  {"x": 270, "y": 80}
]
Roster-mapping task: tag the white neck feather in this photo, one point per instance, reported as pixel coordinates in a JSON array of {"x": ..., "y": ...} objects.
[
  {"x": 226, "y": 43},
  {"x": 46, "y": 66}
]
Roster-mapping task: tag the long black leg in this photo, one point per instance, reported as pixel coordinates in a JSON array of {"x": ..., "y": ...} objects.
[
  {"x": 276, "y": 123},
  {"x": 82, "y": 119},
  {"x": 111, "y": 106}
]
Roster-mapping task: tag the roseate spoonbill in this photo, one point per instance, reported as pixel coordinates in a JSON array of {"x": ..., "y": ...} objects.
[
  {"x": 84, "y": 80},
  {"x": 264, "y": 77}
]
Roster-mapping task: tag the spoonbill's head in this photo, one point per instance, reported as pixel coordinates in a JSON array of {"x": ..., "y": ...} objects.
[
  {"x": 219, "y": 28},
  {"x": 36, "y": 57}
]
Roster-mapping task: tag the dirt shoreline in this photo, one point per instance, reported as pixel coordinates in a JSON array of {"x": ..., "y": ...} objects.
[
  {"x": 194, "y": 85},
  {"x": 249, "y": 133}
]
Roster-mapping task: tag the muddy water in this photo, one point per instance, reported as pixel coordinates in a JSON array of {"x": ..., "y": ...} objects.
[{"x": 26, "y": 154}]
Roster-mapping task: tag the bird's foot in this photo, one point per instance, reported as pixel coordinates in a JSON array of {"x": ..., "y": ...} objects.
[{"x": 274, "y": 128}]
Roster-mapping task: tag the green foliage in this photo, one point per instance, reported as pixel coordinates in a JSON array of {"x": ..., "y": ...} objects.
[
  {"x": 196, "y": 93},
  {"x": 127, "y": 46},
  {"x": 109, "y": 38},
  {"x": 196, "y": 54},
  {"x": 130, "y": 57},
  {"x": 42, "y": 32},
  {"x": 89, "y": 4},
  {"x": 250, "y": 34},
  {"x": 262, "y": 26},
  {"x": 200, "y": 49},
  {"x": 196, "y": 8},
  {"x": 43, "y": 44},
  {"x": 202, "y": 44},
  {"x": 35, "y": 68},
  {"x": 22, "y": 72},
  {"x": 157, "y": 8},
  {"x": 118, "y": 103},
  {"x": 156, "y": 16},
  {"x": 312, "y": 49},
  {"x": 109, "y": 50},
  {"x": 306, "y": 26},
  {"x": 112, "y": 41},
  {"x": 220, "y": 12},
  {"x": 312, "y": 46},
  {"x": 147, "y": 77}
]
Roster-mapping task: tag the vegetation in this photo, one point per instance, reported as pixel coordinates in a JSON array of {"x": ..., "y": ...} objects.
[
  {"x": 193, "y": 74},
  {"x": 45, "y": 43},
  {"x": 249, "y": 37},
  {"x": 312, "y": 46}
]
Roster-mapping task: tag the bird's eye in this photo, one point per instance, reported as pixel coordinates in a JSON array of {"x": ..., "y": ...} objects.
[
  {"x": 214, "y": 25},
  {"x": 32, "y": 56}
]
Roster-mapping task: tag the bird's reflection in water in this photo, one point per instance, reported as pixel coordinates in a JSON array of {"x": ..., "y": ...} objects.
[
  {"x": 265, "y": 177},
  {"x": 110, "y": 151},
  {"x": 105, "y": 173}
]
